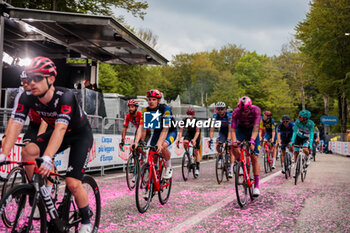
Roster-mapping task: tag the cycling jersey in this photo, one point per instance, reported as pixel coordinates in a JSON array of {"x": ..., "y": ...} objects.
[
  {"x": 63, "y": 108},
  {"x": 246, "y": 121},
  {"x": 191, "y": 131},
  {"x": 268, "y": 126},
  {"x": 225, "y": 122},
  {"x": 304, "y": 131},
  {"x": 134, "y": 119},
  {"x": 285, "y": 132}
]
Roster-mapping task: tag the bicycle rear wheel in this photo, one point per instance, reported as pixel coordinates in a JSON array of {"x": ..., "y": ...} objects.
[
  {"x": 303, "y": 171},
  {"x": 17, "y": 203},
  {"x": 286, "y": 165},
  {"x": 70, "y": 211},
  {"x": 240, "y": 185},
  {"x": 186, "y": 166},
  {"x": 227, "y": 166},
  {"x": 219, "y": 168},
  {"x": 132, "y": 169},
  {"x": 297, "y": 170},
  {"x": 165, "y": 187},
  {"x": 251, "y": 188},
  {"x": 266, "y": 162},
  {"x": 144, "y": 188},
  {"x": 15, "y": 177}
]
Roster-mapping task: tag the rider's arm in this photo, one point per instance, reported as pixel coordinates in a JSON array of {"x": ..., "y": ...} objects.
[
  {"x": 124, "y": 132},
  {"x": 14, "y": 129},
  {"x": 312, "y": 135},
  {"x": 56, "y": 139},
  {"x": 196, "y": 135},
  {"x": 261, "y": 127},
  {"x": 139, "y": 134},
  {"x": 43, "y": 127},
  {"x": 211, "y": 134},
  {"x": 295, "y": 131},
  {"x": 180, "y": 134},
  {"x": 273, "y": 132},
  {"x": 255, "y": 131},
  {"x": 278, "y": 135}
]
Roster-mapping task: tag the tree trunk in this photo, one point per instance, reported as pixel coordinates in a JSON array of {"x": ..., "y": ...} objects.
[
  {"x": 326, "y": 111},
  {"x": 53, "y": 5},
  {"x": 302, "y": 97},
  {"x": 342, "y": 111}
]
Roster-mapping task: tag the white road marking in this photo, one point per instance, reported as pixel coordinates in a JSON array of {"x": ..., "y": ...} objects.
[{"x": 191, "y": 222}]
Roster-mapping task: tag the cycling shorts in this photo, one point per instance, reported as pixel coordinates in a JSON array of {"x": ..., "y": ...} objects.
[
  {"x": 32, "y": 132},
  {"x": 304, "y": 142},
  {"x": 268, "y": 136},
  {"x": 246, "y": 134},
  {"x": 222, "y": 137},
  {"x": 170, "y": 138},
  {"x": 190, "y": 136},
  {"x": 80, "y": 145}
]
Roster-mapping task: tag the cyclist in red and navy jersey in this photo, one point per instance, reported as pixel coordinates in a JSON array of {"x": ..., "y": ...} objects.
[
  {"x": 60, "y": 109},
  {"x": 134, "y": 117}
]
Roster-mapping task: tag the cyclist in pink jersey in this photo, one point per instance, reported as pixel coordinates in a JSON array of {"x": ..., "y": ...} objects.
[{"x": 245, "y": 124}]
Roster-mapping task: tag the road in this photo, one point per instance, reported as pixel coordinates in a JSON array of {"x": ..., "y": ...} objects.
[{"x": 320, "y": 204}]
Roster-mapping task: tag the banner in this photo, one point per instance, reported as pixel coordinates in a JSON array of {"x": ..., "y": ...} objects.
[{"x": 338, "y": 147}]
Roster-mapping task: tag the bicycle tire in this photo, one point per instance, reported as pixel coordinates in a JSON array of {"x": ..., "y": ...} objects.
[
  {"x": 194, "y": 167},
  {"x": 270, "y": 164},
  {"x": 297, "y": 170},
  {"x": 240, "y": 186},
  {"x": 70, "y": 212},
  {"x": 219, "y": 168},
  {"x": 251, "y": 188},
  {"x": 303, "y": 172},
  {"x": 22, "y": 193},
  {"x": 186, "y": 166},
  {"x": 265, "y": 161},
  {"x": 7, "y": 185},
  {"x": 132, "y": 167},
  {"x": 227, "y": 167},
  {"x": 162, "y": 195},
  {"x": 286, "y": 165},
  {"x": 142, "y": 188},
  {"x": 314, "y": 154}
]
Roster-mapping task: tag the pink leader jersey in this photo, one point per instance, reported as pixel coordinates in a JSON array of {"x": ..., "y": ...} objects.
[{"x": 253, "y": 118}]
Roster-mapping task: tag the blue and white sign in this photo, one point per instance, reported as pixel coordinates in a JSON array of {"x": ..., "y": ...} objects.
[{"x": 329, "y": 120}]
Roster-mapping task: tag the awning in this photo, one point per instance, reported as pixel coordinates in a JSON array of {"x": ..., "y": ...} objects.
[{"x": 54, "y": 34}]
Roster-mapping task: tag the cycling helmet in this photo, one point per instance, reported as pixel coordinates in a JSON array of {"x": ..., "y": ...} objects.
[
  {"x": 23, "y": 75},
  {"x": 42, "y": 65},
  {"x": 154, "y": 93},
  {"x": 305, "y": 114},
  {"x": 244, "y": 103},
  {"x": 133, "y": 102},
  {"x": 285, "y": 118},
  {"x": 190, "y": 111},
  {"x": 267, "y": 113},
  {"x": 220, "y": 105}
]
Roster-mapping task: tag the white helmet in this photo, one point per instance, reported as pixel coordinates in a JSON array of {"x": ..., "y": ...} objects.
[
  {"x": 23, "y": 75},
  {"x": 220, "y": 105}
]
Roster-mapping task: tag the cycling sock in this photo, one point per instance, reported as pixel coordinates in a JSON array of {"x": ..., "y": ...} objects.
[
  {"x": 274, "y": 161},
  {"x": 231, "y": 168},
  {"x": 168, "y": 163},
  {"x": 85, "y": 219},
  {"x": 256, "y": 184}
]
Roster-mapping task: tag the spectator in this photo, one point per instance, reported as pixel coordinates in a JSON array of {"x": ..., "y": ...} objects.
[{"x": 87, "y": 84}]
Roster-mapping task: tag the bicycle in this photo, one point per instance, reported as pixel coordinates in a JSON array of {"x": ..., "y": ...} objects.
[
  {"x": 135, "y": 161},
  {"x": 64, "y": 216},
  {"x": 301, "y": 167},
  {"x": 150, "y": 180},
  {"x": 16, "y": 176},
  {"x": 314, "y": 150},
  {"x": 244, "y": 182},
  {"x": 287, "y": 163},
  {"x": 278, "y": 153},
  {"x": 222, "y": 164},
  {"x": 188, "y": 163},
  {"x": 267, "y": 152}
]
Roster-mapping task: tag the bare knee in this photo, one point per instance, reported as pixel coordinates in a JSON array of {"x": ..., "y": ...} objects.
[
  {"x": 30, "y": 151},
  {"x": 74, "y": 185}
]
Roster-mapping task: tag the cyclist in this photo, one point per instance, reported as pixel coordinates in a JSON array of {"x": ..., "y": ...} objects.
[
  {"x": 303, "y": 135},
  {"x": 192, "y": 135},
  {"x": 245, "y": 124},
  {"x": 284, "y": 136},
  {"x": 267, "y": 133},
  {"x": 60, "y": 109},
  {"x": 225, "y": 118},
  {"x": 322, "y": 139},
  {"x": 166, "y": 134},
  {"x": 316, "y": 139},
  {"x": 134, "y": 117}
]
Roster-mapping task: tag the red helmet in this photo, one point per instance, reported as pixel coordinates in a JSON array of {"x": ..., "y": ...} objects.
[
  {"x": 41, "y": 65},
  {"x": 267, "y": 113},
  {"x": 133, "y": 102},
  {"x": 244, "y": 103},
  {"x": 190, "y": 111},
  {"x": 154, "y": 93}
]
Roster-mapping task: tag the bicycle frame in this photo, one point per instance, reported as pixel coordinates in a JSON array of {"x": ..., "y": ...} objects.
[
  {"x": 153, "y": 172},
  {"x": 245, "y": 161},
  {"x": 268, "y": 148}
]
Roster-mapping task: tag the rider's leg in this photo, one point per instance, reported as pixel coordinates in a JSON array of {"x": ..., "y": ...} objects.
[
  {"x": 81, "y": 197},
  {"x": 29, "y": 153}
]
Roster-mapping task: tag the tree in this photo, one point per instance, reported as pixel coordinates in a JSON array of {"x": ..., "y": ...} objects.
[{"x": 99, "y": 7}]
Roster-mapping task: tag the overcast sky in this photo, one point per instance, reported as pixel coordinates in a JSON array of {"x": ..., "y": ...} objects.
[{"x": 189, "y": 26}]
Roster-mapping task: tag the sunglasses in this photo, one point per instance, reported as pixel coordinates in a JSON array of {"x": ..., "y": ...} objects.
[
  {"x": 221, "y": 109},
  {"x": 36, "y": 78},
  {"x": 285, "y": 121}
]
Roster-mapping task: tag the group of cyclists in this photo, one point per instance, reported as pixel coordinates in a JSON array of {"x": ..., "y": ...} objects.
[{"x": 58, "y": 122}]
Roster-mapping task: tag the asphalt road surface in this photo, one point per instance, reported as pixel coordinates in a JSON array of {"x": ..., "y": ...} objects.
[{"x": 320, "y": 204}]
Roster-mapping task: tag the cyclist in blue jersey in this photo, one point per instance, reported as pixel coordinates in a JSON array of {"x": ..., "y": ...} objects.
[
  {"x": 225, "y": 118},
  {"x": 303, "y": 135},
  {"x": 284, "y": 136},
  {"x": 267, "y": 133},
  {"x": 164, "y": 136}
]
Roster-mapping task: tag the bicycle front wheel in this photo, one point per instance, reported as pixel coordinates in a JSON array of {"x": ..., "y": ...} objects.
[
  {"x": 15, "y": 177},
  {"x": 144, "y": 188},
  {"x": 286, "y": 166},
  {"x": 132, "y": 169},
  {"x": 266, "y": 162},
  {"x": 18, "y": 205},
  {"x": 186, "y": 166},
  {"x": 240, "y": 185},
  {"x": 165, "y": 187},
  {"x": 227, "y": 166},
  {"x": 219, "y": 168},
  {"x": 297, "y": 170}
]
